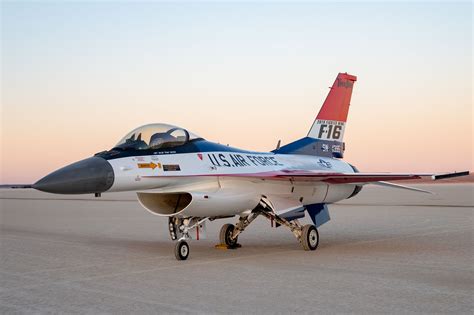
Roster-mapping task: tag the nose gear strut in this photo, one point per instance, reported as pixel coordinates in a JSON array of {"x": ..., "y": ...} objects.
[{"x": 179, "y": 229}]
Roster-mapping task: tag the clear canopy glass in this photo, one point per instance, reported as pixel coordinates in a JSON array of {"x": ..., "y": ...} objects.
[{"x": 155, "y": 136}]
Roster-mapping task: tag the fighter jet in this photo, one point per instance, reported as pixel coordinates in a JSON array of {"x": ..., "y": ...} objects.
[{"x": 181, "y": 176}]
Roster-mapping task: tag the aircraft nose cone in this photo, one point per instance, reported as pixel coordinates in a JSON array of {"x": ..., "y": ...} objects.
[{"x": 92, "y": 175}]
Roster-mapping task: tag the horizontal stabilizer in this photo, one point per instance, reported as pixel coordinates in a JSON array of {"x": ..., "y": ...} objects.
[{"x": 392, "y": 185}]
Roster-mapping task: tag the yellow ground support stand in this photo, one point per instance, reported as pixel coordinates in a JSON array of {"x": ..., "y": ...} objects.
[{"x": 224, "y": 246}]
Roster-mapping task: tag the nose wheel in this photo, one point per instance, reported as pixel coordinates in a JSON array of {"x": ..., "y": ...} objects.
[{"x": 181, "y": 250}]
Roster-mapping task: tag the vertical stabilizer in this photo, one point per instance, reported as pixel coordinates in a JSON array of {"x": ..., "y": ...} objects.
[
  {"x": 331, "y": 119},
  {"x": 325, "y": 138}
]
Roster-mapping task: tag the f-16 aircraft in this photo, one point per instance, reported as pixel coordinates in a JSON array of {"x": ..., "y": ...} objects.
[{"x": 180, "y": 175}]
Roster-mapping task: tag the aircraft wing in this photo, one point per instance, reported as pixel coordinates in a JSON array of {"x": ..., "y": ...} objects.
[{"x": 348, "y": 178}]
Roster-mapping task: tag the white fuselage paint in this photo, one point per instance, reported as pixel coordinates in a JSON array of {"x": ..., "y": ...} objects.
[{"x": 218, "y": 183}]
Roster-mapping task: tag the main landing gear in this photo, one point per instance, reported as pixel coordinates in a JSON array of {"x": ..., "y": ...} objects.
[
  {"x": 180, "y": 228},
  {"x": 226, "y": 236},
  {"x": 307, "y": 235}
]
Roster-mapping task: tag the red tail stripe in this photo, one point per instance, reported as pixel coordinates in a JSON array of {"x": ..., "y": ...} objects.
[{"x": 336, "y": 105}]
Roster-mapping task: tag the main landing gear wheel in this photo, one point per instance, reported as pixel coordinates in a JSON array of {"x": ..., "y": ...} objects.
[
  {"x": 225, "y": 235},
  {"x": 309, "y": 237},
  {"x": 181, "y": 250}
]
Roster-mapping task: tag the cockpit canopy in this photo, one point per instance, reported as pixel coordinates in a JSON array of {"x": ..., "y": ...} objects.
[{"x": 155, "y": 137}]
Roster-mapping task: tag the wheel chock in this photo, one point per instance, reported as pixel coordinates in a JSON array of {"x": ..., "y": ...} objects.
[
  {"x": 224, "y": 246},
  {"x": 221, "y": 246}
]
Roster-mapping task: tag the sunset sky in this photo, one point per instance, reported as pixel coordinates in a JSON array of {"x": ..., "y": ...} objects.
[{"x": 78, "y": 76}]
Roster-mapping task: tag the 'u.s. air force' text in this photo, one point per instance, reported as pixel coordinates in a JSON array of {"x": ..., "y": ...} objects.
[{"x": 240, "y": 160}]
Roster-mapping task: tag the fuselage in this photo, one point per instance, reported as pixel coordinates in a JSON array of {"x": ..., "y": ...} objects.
[
  {"x": 166, "y": 169},
  {"x": 214, "y": 178},
  {"x": 220, "y": 172}
]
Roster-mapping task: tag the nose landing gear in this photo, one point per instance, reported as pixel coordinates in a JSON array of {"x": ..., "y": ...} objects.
[{"x": 179, "y": 229}]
